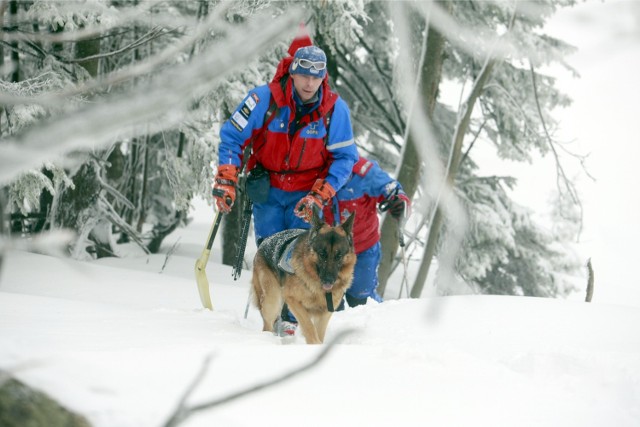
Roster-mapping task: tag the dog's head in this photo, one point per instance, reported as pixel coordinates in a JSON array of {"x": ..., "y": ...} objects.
[{"x": 332, "y": 248}]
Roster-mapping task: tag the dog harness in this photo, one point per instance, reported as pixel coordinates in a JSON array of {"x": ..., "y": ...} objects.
[
  {"x": 278, "y": 249},
  {"x": 285, "y": 259}
]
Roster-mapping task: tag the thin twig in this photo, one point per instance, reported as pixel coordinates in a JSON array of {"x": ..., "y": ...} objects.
[
  {"x": 183, "y": 411},
  {"x": 559, "y": 167},
  {"x": 385, "y": 79},
  {"x": 169, "y": 253},
  {"x": 560, "y": 170}
]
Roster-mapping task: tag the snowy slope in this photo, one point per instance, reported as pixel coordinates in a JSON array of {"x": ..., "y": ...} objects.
[{"x": 120, "y": 340}]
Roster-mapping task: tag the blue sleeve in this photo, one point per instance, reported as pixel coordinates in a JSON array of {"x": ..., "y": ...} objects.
[
  {"x": 238, "y": 129},
  {"x": 379, "y": 183},
  {"x": 341, "y": 146}
]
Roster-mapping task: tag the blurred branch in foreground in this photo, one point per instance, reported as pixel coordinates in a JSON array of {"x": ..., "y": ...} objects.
[{"x": 183, "y": 411}]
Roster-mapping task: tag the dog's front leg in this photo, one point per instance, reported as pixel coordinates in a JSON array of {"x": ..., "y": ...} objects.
[
  {"x": 321, "y": 322},
  {"x": 308, "y": 328},
  {"x": 267, "y": 294}
]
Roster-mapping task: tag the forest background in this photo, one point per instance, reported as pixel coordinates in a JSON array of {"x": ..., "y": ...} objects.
[{"x": 110, "y": 111}]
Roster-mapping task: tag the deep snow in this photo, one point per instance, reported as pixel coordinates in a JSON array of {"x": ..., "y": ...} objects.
[{"x": 121, "y": 339}]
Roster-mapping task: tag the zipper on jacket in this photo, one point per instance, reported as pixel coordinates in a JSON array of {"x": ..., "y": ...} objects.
[{"x": 304, "y": 145}]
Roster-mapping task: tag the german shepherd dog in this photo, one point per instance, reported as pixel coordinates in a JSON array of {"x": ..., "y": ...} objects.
[{"x": 310, "y": 270}]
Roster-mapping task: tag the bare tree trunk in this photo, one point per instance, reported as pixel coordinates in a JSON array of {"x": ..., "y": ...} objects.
[
  {"x": 86, "y": 49},
  {"x": 131, "y": 183},
  {"x": 452, "y": 170},
  {"x": 409, "y": 174},
  {"x": 159, "y": 231},
  {"x": 133, "y": 156},
  {"x": 590, "y": 282},
  {"x": 15, "y": 57},
  {"x": 3, "y": 8},
  {"x": 142, "y": 208},
  {"x": 454, "y": 162}
]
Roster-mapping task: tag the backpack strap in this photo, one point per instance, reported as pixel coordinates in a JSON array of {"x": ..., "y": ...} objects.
[
  {"x": 327, "y": 123},
  {"x": 269, "y": 116},
  {"x": 273, "y": 108}
]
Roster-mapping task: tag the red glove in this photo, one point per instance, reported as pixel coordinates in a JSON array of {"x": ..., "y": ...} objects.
[
  {"x": 224, "y": 187},
  {"x": 320, "y": 194}
]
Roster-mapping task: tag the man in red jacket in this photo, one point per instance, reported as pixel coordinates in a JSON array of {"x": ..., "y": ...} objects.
[{"x": 287, "y": 124}]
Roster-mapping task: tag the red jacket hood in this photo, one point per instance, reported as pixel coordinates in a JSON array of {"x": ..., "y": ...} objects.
[{"x": 285, "y": 97}]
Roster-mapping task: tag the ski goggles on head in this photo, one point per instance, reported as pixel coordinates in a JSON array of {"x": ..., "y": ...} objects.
[{"x": 305, "y": 63}]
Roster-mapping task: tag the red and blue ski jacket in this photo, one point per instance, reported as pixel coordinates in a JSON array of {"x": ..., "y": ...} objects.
[
  {"x": 295, "y": 152},
  {"x": 368, "y": 186}
]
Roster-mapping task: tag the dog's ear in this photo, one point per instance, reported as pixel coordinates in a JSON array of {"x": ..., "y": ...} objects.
[{"x": 348, "y": 224}]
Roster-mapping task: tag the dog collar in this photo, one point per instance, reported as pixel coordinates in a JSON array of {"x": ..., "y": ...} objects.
[{"x": 328, "y": 297}]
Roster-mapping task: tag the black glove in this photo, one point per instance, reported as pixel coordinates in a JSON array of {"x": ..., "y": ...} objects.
[{"x": 398, "y": 206}]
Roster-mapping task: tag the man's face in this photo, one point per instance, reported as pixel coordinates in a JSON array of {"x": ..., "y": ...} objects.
[{"x": 306, "y": 86}]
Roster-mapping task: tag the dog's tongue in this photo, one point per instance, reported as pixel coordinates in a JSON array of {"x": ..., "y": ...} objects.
[{"x": 327, "y": 286}]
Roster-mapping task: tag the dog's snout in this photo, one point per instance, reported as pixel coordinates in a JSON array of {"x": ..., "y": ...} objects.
[{"x": 327, "y": 277}]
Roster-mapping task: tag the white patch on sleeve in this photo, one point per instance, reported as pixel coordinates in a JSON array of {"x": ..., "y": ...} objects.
[
  {"x": 251, "y": 103},
  {"x": 240, "y": 120}
]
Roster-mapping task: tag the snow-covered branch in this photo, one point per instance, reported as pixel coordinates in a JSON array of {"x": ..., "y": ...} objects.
[{"x": 162, "y": 103}]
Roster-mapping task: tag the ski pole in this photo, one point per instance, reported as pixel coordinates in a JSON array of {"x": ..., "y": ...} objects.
[
  {"x": 401, "y": 243},
  {"x": 246, "y": 309},
  {"x": 383, "y": 207}
]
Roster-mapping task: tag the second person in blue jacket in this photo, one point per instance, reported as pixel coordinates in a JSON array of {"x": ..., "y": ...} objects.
[{"x": 369, "y": 187}]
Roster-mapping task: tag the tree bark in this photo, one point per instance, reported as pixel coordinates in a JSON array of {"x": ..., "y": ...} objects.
[
  {"x": 142, "y": 207},
  {"x": 590, "y": 282},
  {"x": 3, "y": 9},
  {"x": 15, "y": 57},
  {"x": 452, "y": 170},
  {"x": 85, "y": 49},
  {"x": 409, "y": 174}
]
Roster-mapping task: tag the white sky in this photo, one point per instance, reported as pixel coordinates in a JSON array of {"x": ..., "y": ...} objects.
[{"x": 602, "y": 121}]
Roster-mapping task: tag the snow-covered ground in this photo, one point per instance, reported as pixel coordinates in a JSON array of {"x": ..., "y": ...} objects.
[{"x": 121, "y": 339}]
